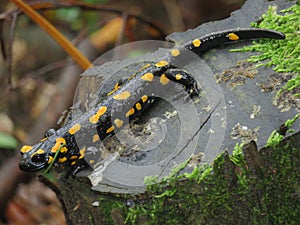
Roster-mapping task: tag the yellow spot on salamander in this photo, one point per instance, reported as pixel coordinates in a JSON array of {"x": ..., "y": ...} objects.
[
  {"x": 122, "y": 96},
  {"x": 62, "y": 160},
  {"x": 164, "y": 80},
  {"x": 73, "y": 163},
  {"x": 59, "y": 142},
  {"x": 50, "y": 159},
  {"x": 196, "y": 43},
  {"x": 40, "y": 151},
  {"x": 75, "y": 128},
  {"x": 99, "y": 113},
  {"x": 146, "y": 66},
  {"x": 132, "y": 76},
  {"x": 96, "y": 138},
  {"x": 118, "y": 122},
  {"x": 117, "y": 86},
  {"x": 175, "y": 52},
  {"x": 82, "y": 152},
  {"x": 130, "y": 112},
  {"x": 109, "y": 130},
  {"x": 161, "y": 63},
  {"x": 144, "y": 98},
  {"x": 232, "y": 37},
  {"x": 74, "y": 157},
  {"x": 26, "y": 148},
  {"x": 138, "y": 106},
  {"x": 44, "y": 139},
  {"x": 94, "y": 118},
  {"x": 147, "y": 77},
  {"x": 178, "y": 76}
]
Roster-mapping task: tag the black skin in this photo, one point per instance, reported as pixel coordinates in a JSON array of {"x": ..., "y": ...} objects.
[{"x": 30, "y": 161}]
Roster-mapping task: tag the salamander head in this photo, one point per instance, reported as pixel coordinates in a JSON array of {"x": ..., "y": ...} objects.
[{"x": 42, "y": 154}]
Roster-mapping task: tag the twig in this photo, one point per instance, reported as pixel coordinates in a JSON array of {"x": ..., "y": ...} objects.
[
  {"x": 2, "y": 40},
  {"x": 77, "y": 56},
  {"x": 37, "y": 73},
  {"x": 10, "y": 46}
]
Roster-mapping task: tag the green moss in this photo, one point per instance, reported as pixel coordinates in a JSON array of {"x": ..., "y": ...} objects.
[
  {"x": 91, "y": 220},
  {"x": 289, "y": 123},
  {"x": 228, "y": 193},
  {"x": 280, "y": 186},
  {"x": 238, "y": 159},
  {"x": 237, "y": 155},
  {"x": 290, "y": 85},
  {"x": 284, "y": 55},
  {"x": 281, "y": 55},
  {"x": 275, "y": 138}
]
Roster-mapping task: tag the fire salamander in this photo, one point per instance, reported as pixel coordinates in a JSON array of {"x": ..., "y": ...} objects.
[{"x": 105, "y": 119}]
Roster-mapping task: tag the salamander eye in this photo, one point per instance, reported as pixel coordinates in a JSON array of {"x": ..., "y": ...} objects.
[
  {"x": 38, "y": 157},
  {"x": 50, "y": 132}
]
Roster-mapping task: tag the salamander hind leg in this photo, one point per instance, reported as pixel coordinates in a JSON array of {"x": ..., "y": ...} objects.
[
  {"x": 78, "y": 166},
  {"x": 179, "y": 76}
]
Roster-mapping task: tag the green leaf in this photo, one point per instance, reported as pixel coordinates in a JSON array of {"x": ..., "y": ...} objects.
[{"x": 7, "y": 141}]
